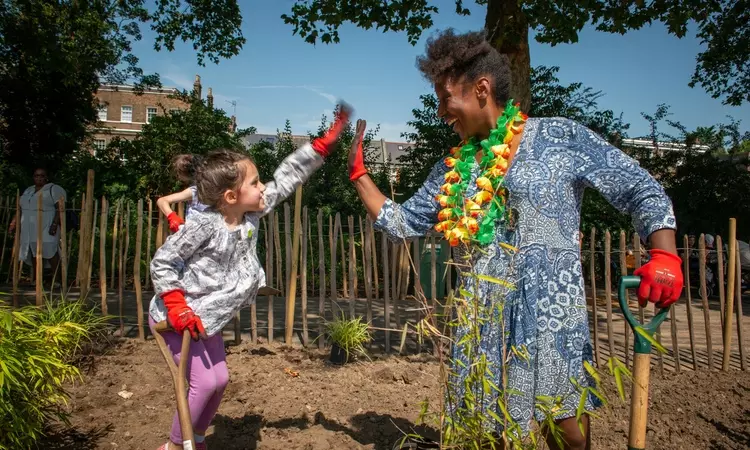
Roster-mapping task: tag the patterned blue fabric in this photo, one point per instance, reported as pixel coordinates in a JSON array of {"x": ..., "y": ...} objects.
[
  {"x": 546, "y": 312},
  {"x": 195, "y": 204}
]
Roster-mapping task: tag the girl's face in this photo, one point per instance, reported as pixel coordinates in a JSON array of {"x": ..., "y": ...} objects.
[{"x": 250, "y": 193}]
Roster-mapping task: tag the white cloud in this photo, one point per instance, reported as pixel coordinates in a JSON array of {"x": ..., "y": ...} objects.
[{"x": 330, "y": 97}]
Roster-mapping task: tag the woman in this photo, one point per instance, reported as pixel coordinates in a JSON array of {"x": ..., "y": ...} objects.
[
  {"x": 51, "y": 195},
  {"x": 548, "y": 163}
]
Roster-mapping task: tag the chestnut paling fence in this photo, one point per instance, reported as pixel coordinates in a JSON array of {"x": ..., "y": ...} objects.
[{"x": 326, "y": 266}]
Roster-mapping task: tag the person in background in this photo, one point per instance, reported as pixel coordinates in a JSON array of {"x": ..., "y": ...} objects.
[
  {"x": 185, "y": 167},
  {"x": 51, "y": 195}
]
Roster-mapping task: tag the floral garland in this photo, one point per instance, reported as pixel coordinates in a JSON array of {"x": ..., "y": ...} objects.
[{"x": 464, "y": 219}]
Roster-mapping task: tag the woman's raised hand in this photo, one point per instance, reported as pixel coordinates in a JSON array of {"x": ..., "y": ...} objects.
[
  {"x": 356, "y": 153},
  {"x": 326, "y": 144}
]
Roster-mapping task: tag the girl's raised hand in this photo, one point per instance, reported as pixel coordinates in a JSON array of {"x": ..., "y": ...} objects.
[
  {"x": 356, "y": 153},
  {"x": 326, "y": 144}
]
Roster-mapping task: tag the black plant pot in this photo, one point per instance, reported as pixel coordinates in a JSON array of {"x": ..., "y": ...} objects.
[{"x": 338, "y": 355}]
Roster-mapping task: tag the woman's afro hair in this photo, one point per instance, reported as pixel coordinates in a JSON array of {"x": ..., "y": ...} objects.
[{"x": 455, "y": 55}]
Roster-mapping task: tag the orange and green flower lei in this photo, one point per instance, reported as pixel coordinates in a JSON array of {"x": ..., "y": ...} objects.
[{"x": 472, "y": 219}]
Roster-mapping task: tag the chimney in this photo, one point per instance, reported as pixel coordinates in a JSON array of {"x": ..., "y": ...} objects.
[
  {"x": 233, "y": 126},
  {"x": 197, "y": 87},
  {"x": 210, "y": 98}
]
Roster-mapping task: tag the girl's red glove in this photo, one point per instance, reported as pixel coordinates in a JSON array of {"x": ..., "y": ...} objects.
[
  {"x": 174, "y": 222},
  {"x": 357, "y": 154},
  {"x": 325, "y": 145},
  {"x": 661, "y": 279},
  {"x": 181, "y": 316}
]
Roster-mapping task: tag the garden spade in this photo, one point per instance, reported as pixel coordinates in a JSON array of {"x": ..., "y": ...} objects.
[
  {"x": 643, "y": 334},
  {"x": 179, "y": 379}
]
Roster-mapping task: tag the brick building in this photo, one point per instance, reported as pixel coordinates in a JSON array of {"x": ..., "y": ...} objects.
[{"x": 123, "y": 112}]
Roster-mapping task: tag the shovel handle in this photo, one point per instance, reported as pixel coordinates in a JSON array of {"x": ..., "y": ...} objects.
[
  {"x": 641, "y": 345},
  {"x": 179, "y": 378}
]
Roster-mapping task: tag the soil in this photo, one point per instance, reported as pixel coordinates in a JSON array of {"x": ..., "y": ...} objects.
[{"x": 364, "y": 405}]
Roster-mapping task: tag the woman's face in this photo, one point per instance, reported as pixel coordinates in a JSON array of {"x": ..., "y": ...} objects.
[
  {"x": 40, "y": 177},
  {"x": 459, "y": 106}
]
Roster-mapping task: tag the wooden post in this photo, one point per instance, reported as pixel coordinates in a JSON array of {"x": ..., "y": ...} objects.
[
  {"x": 592, "y": 271},
  {"x": 418, "y": 293},
  {"x": 322, "y": 281},
  {"x": 15, "y": 255},
  {"x": 88, "y": 220},
  {"x": 720, "y": 274},
  {"x": 340, "y": 232},
  {"x": 159, "y": 230},
  {"x": 103, "y": 256},
  {"x": 137, "y": 270},
  {"x": 181, "y": 210},
  {"x": 312, "y": 256},
  {"x": 704, "y": 300},
  {"x": 624, "y": 272},
  {"x": 277, "y": 244},
  {"x": 288, "y": 243},
  {"x": 121, "y": 283},
  {"x": 269, "y": 263},
  {"x": 433, "y": 288},
  {"x": 738, "y": 293},
  {"x": 334, "y": 271},
  {"x": 81, "y": 239},
  {"x": 386, "y": 293},
  {"x": 303, "y": 276},
  {"x": 273, "y": 244},
  {"x": 689, "y": 300},
  {"x": 608, "y": 291},
  {"x": 127, "y": 243},
  {"x": 149, "y": 225},
  {"x": 352, "y": 270},
  {"x": 731, "y": 280},
  {"x": 39, "y": 250},
  {"x": 367, "y": 265},
  {"x": 292, "y": 275},
  {"x": 63, "y": 247},
  {"x": 115, "y": 231},
  {"x": 374, "y": 248},
  {"x": 8, "y": 214},
  {"x": 90, "y": 257}
]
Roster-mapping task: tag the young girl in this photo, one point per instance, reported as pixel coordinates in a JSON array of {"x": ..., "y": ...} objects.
[
  {"x": 184, "y": 167},
  {"x": 209, "y": 269}
]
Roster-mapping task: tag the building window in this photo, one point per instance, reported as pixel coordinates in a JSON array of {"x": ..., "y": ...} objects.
[
  {"x": 400, "y": 147},
  {"x": 174, "y": 110},
  {"x": 103, "y": 113},
  {"x": 99, "y": 145},
  {"x": 126, "y": 114},
  {"x": 150, "y": 114}
]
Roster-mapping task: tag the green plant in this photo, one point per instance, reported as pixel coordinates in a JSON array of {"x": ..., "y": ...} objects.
[
  {"x": 38, "y": 347},
  {"x": 349, "y": 334}
]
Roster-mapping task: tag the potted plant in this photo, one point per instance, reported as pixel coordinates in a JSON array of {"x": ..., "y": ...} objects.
[{"x": 348, "y": 338}]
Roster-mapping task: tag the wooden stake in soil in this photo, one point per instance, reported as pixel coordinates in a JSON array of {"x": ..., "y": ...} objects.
[
  {"x": 624, "y": 272},
  {"x": 127, "y": 244},
  {"x": 731, "y": 280},
  {"x": 90, "y": 257},
  {"x": 103, "y": 256},
  {"x": 720, "y": 274},
  {"x": 63, "y": 247},
  {"x": 8, "y": 214},
  {"x": 149, "y": 225},
  {"x": 704, "y": 300},
  {"x": 269, "y": 259},
  {"x": 115, "y": 231},
  {"x": 137, "y": 270},
  {"x": 181, "y": 210},
  {"x": 39, "y": 259},
  {"x": 340, "y": 232},
  {"x": 738, "y": 293},
  {"x": 88, "y": 222},
  {"x": 352, "y": 270},
  {"x": 386, "y": 293},
  {"x": 418, "y": 293},
  {"x": 291, "y": 297},
  {"x": 303, "y": 277},
  {"x": 367, "y": 244},
  {"x": 277, "y": 244},
  {"x": 608, "y": 292},
  {"x": 121, "y": 283},
  {"x": 273, "y": 237},
  {"x": 159, "y": 230},
  {"x": 288, "y": 243},
  {"x": 592, "y": 267},
  {"x": 322, "y": 281},
  {"x": 334, "y": 269},
  {"x": 81, "y": 231},
  {"x": 16, "y": 250},
  {"x": 689, "y": 300}
]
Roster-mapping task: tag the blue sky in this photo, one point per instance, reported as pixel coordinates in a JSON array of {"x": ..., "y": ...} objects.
[{"x": 277, "y": 76}]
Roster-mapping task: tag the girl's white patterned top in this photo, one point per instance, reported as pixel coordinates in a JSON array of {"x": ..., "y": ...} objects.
[{"x": 218, "y": 268}]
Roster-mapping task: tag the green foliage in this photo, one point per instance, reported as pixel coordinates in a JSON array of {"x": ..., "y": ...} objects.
[
  {"x": 37, "y": 351},
  {"x": 142, "y": 167},
  {"x": 722, "y": 69},
  {"x": 349, "y": 334},
  {"x": 55, "y": 54}
]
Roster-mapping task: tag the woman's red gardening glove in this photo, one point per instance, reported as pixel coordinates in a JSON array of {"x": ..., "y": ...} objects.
[
  {"x": 181, "y": 316},
  {"x": 356, "y": 153},
  {"x": 325, "y": 145},
  {"x": 661, "y": 279},
  {"x": 174, "y": 222}
]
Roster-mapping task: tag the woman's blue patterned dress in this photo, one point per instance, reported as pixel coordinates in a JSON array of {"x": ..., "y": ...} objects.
[{"x": 546, "y": 312}]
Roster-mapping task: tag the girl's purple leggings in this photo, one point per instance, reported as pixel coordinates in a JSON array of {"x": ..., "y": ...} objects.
[{"x": 207, "y": 377}]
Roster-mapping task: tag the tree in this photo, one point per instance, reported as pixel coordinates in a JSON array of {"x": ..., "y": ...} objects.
[
  {"x": 141, "y": 167},
  {"x": 723, "y": 26},
  {"x": 55, "y": 54}
]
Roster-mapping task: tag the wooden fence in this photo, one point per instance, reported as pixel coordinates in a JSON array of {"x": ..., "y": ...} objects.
[{"x": 342, "y": 265}]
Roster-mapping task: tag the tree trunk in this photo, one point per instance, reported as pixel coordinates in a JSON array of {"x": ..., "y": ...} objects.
[{"x": 508, "y": 31}]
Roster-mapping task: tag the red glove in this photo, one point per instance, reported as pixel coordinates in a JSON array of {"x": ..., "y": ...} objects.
[
  {"x": 325, "y": 145},
  {"x": 356, "y": 154},
  {"x": 181, "y": 316},
  {"x": 174, "y": 222},
  {"x": 661, "y": 279}
]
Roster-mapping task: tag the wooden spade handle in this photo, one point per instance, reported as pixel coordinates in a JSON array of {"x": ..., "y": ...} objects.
[
  {"x": 179, "y": 379},
  {"x": 639, "y": 402}
]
